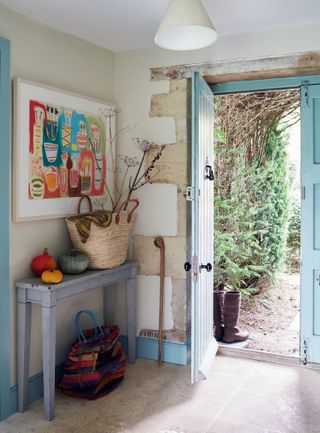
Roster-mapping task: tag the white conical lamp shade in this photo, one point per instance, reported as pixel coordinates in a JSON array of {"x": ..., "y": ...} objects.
[{"x": 185, "y": 26}]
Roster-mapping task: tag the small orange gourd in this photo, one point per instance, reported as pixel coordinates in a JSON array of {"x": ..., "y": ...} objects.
[{"x": 52, "y": 276}]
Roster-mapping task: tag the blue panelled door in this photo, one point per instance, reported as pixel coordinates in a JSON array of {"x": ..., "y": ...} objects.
[{"x": 203, "y": 344}]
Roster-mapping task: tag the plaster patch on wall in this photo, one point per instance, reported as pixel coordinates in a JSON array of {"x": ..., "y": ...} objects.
[
  {"x": 172, "y": 166},
  {"x": 179, "y": 302},
  {"x": 173, "y": 103},
  {"x": 160, "y": 130},
  {"x": 147, "y": 255},
  {"x": 158, "y": 210},
  {"x": 148, "y": 302},
  {"x": 182, "y": 213},
  {"x": 135, "y": 114}
]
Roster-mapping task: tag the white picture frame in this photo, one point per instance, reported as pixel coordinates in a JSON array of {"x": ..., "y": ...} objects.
[{"x": 33, "y": 200}]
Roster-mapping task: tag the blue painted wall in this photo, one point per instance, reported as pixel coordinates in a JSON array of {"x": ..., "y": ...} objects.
[{"x": 5, "y": 140}]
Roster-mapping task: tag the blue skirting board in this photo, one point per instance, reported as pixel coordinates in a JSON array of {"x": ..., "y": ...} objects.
[
  {"x": 176, "y": 353},
  {"x": 35, "y": 389}
]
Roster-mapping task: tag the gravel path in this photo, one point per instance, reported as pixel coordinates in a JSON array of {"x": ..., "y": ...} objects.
[{"x": 272, "y": 318}]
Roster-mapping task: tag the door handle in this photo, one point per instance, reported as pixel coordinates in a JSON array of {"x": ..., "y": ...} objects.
[
  {"x": 208, "y": 267},
  {"x": 187, "y": 266}
]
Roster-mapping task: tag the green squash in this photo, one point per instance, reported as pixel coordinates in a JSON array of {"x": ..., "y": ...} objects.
[{"x": 73, "y": 262}]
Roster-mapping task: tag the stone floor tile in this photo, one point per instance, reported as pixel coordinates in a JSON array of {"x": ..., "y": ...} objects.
[
  {"x": 224, "y": 426},
  {"x": 218, "y": 387},
  {"x": 233, "y": 366},
  {"x": 279, "y": 413},
  {"x": 240, "y": 396},
  {"x": 192, "y": 416}
]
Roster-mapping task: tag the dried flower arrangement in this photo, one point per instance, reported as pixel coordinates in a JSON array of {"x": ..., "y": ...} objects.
[{"x": 138, "y": 171}]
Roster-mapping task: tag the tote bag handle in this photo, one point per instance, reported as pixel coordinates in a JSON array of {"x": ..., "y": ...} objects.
[
  {"x": 79, "y": 331},
  {"x": 84, "y": 197},
  {"x": 132, "y": 200}
]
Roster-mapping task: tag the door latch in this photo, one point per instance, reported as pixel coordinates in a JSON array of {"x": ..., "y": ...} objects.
[
  {"x": 208, "y": 267},
  {"x": 209, "y": 172}
]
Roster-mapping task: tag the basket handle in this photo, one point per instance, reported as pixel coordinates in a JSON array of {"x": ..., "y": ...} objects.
[
  {"x": 80, "y": 201},
  {"x": 79, "y": 331},
  {"x": 132, "y": 200}
]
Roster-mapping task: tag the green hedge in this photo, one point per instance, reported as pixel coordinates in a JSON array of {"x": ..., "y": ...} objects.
[{"x": 251, "y": 212}]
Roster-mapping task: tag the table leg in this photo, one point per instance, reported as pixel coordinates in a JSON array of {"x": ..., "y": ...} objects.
[
  {"x": 131, "y": 318},
  {"x": 49, "y": 358},
  {"x": 24, "y": 330}
]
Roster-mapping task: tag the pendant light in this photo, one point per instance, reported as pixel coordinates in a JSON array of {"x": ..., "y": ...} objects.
[{"x": 185, "y": 26}]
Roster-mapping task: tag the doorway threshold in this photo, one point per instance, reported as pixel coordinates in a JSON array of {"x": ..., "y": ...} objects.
[{"x": 257, "y": 355}]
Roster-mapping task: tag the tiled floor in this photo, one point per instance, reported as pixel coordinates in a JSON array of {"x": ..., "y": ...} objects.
[{"x": 240, "y": 396}]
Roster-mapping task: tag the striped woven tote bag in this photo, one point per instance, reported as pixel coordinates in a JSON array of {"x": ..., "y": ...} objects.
[{"x": 96, "y": 363}]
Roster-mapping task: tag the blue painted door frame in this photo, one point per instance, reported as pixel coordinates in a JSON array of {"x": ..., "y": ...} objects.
[
  {"x": 310, "y": 228},
  {"x": 310, "y": 207},
  {"x": 5, "y": 140}
]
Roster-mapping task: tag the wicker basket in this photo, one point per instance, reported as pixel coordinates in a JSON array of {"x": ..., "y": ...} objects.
[{"x": 106, "y": 247}]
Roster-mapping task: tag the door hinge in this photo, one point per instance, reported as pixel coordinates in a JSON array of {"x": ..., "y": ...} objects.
[
  {"x": 303, "y": 193},
  {"x": 189, "y": 193},
  {"x": 305, "y": 91},
  {"x": 304, "y": 351},
  {"x": 194, "y": 268}
]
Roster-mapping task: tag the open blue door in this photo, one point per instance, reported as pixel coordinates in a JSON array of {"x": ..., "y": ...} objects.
[
  {"x": 310, "y": 223},
  {"x": 203, "y": 344}
]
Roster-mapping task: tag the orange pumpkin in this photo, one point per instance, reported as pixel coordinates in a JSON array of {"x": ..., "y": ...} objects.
[{"x": 52, "y": 276}]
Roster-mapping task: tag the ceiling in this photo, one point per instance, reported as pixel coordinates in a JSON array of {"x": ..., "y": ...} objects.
[{"x": 121, "y": 25}]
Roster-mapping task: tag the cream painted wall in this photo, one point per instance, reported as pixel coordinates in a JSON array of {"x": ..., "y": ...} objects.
[
  {"x": 53, "y": 58},
  {"x": 133, "y": 91}
]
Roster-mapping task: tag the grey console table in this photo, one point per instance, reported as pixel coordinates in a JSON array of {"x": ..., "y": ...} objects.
[{"x": 32, "y": 290}]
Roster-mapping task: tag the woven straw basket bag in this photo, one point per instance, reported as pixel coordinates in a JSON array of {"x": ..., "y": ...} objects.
[{"x": 106, "y": 247}]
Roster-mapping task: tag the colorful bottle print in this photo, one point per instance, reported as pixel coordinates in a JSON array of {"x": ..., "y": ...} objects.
[
  {"x": 95, "y": 138},
  {"x": 86, "y": 175},
  {"x": 66, "y": 131},
  {"x": 74, "y": 177},
  {"x": 63, "y": 181},
  {"x": 82, "y": 136},
  {"x": 38, "y": 131},
  {"x": 36, "y": 187},
  {"x": 98, "y": 171},
  {"x": 51, "y": 150},
  {"x": 52, "y": 181}
]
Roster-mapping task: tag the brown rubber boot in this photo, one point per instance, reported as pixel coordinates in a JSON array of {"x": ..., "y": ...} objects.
[
  {"x": 218, "y": 314},
  {"x": 231, "y": 313}
]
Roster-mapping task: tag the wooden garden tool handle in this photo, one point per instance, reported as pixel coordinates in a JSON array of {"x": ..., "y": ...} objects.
[{"x": 159, "y": 243}]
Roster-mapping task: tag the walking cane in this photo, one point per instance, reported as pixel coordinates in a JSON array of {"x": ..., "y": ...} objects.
[{"x": 159, "y": 243}]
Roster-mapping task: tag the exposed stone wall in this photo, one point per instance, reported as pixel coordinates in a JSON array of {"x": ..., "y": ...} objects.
[
  {"x": 173, "y": 167},
  {"x": 289, "y": 65}
]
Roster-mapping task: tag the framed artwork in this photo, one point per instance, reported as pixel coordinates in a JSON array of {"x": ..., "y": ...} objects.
[{"x": 63, "y": 148}]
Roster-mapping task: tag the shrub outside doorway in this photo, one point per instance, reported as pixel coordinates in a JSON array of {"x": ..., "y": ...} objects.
[{"x": 257, "y": 213}]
